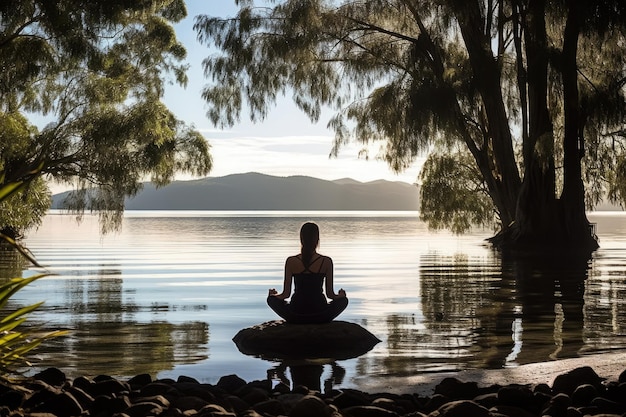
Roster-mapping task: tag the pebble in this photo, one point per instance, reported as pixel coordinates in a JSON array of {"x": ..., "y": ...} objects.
[{"x": 577, "y": 393}]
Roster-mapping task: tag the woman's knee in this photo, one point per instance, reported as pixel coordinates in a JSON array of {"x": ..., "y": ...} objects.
[
  {"x": 275, "y": 302},
  {"x": 341, "y": 302}
]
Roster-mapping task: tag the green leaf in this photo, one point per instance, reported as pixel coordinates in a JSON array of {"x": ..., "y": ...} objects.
[
  {"x": 13, "y": 286},
  {"x": 22, "y": 311},
  {"x": 8, "y": 189},
  {"x": 10, "y": 326}
]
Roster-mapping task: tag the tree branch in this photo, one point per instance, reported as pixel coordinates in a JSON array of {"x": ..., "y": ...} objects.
[{"x": 8, "y": 39}]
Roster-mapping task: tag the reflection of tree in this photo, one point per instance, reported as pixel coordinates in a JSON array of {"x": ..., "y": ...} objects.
[
  {"x": 106, "y": 336},
  {"x": 607, "y": 312},
  {"x": 11, "y": 262},
  {"x": 529, "y": 309},
  {"x": 127, "y": 348},
  {"x": 550, "y": 293},
  {"x": 456, "y": 299},
  {"x": 493, "y": 311}
]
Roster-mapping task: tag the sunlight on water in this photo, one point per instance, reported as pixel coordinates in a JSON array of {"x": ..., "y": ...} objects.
[{"x": 167, "y": 293}]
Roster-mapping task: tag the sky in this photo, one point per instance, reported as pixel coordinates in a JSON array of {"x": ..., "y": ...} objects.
[{"x": 285, "y": 143}]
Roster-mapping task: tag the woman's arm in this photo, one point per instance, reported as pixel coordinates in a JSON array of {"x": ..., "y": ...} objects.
[
  {"x": 329, "y": 272},
  {"x": 286, "y": 282}
]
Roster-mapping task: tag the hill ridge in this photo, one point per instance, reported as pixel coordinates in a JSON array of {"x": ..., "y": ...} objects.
[{"x": 257, "y": 191}]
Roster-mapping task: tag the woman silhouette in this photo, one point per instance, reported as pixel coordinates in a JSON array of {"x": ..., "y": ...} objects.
[{"x": 308, "y": 270}]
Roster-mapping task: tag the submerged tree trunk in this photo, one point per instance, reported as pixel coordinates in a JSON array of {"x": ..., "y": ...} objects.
[
  {"x": 540, "y": 218},
  {"x": 536, "y": 205},
  {"x": 574, "y": 218}
]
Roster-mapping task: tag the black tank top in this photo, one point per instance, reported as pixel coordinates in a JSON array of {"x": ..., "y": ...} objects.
[{"x": 308, "y": 296}]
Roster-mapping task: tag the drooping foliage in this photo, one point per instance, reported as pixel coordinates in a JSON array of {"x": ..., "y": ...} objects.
[
  {"x": 527, "y": 96},
  {"x": 80, "y": 98}
]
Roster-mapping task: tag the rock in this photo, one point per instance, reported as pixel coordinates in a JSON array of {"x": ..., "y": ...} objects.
[
  {"x": 511, "y": 411},
  {"x": 159, "y": 388},
  {"x": 436, "y": 401},
  {"x": 231, "y": 383},
  {"x": 457, "y": 390},
  {"x": 85, "y": 400},
  {"x": 461, "y": 408},
  {"x": 616, "y": 392},
  {"x": 608, "y": 406},
  {"x": 516, "y": 396},
  {"x": 142, "y": 409},
  {"x": 189, "y": 403},
  {"x": 104, "y": 405},
  {"x": 255, "y": 396},
  {"x": 12, "y": 399},
  {"x": 338, "y": 340},
  {"x": 83, "y": 383},
  {"x": 311, "y": 406},
  {"x": 368, "y": 411},
  {"x": 213, "y": 410},
  {"x": 583, "y": 395},
  {"x": 139, "y": 381},
  {"x": 51, "y": 376},
  {"x": 201, "y": 391},
  {"x": 351, "y": 398},
  {"x": 389, "y": 404},
  {"x": 237, "y": 404},
  {"x": 568, "y": 382},
  {"x": 270, "y": 407},
  {"x": 107, "y": 387},
  {"x": 233, "y": 397},
  {"x": 61, "y": 405},
  {"x": 487, "y": 400},
  {"x": 289, "y": 400}
]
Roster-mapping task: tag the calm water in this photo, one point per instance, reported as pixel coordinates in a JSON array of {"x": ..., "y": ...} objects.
[{"x": 167, "y": 294}]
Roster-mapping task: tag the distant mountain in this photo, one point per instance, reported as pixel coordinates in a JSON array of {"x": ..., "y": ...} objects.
[{"x": 253, "y": 191}]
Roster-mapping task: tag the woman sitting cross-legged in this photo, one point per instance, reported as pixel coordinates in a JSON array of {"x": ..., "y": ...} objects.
[{"x": 308, "y": 271}]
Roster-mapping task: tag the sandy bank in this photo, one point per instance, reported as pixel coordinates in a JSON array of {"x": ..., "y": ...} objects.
[{"x": 608, "y": 365}]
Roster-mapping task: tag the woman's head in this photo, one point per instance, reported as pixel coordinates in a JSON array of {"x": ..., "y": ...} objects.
[{"x": 309, "y": 239}]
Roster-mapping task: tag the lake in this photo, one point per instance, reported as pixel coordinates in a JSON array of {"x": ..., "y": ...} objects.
[{"x": 166, "y": 294}]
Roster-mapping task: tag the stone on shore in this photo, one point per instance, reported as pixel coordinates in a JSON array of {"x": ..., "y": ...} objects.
[
  {"x": 278, "y": 339},
  {"x": 232, "y": 396}
]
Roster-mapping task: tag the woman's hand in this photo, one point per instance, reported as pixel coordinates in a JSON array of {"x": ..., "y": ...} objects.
[{"x": 272, "y": 292}]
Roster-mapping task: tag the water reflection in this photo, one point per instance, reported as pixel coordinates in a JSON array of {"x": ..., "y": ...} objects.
[
  {"x": 547, "y": 301},
  {"x": 308, "y": 373},
  {"x": 153, "y": 297},
  {"x": 490, "y": 313},
  {"x": 530, "y": 309},
  {"x": 11, "y": 261},
  {"x": 110, "y": 333},
  {"x": 125, "y": 348}
]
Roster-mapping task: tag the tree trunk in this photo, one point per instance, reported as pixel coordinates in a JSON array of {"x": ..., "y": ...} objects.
[
  {"x": 541, "y": 220},
  {"x": 575, "y": 224},
  {"x": 536, "y": 206},
  {"x": 487, "y": 77}
]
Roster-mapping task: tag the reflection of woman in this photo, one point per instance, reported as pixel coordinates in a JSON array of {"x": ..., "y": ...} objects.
[{"x": 308, "y": 270}]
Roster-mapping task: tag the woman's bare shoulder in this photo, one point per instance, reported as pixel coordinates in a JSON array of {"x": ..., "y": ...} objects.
[
  {"x": 293, "y": 259},
  {"x": 326, "y": 258}
]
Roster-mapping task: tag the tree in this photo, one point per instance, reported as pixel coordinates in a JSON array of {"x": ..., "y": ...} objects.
[
  {"x": 514, "y": 101},
  {"x": 92, "y": 71}
]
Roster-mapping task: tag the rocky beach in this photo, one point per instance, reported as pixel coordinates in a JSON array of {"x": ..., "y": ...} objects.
[{"x": 590, "y": 386}]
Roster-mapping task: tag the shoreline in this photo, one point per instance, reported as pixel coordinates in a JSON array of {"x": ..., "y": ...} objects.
[
  {"x": 607, "y": 365},
  {"x": 581, "y": 387}
]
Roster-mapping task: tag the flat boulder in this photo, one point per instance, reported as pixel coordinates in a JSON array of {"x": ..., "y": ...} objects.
[{"x": 338, "y": 340}]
